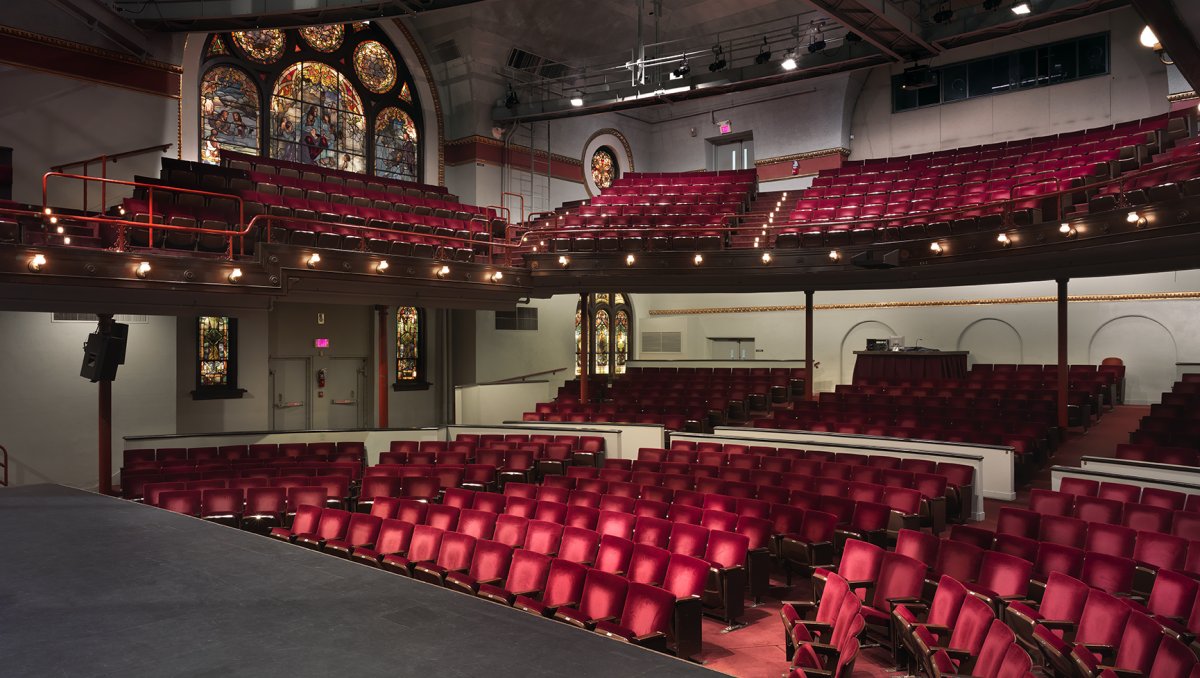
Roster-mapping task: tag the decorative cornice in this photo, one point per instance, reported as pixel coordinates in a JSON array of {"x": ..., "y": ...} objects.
[
  {"x": 1000, "y": 301},
  {"x": 807, "y": 155},
  {"x": 1181, "y": 96},
  {"x": 88, "y": 49},
  {"x": 437, "y": 101}
]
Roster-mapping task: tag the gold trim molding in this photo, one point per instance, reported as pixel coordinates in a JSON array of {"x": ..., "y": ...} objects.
[
  {"x": 807, "y": 155},
  {"x": 934, "y": 303},
  {"x": 1181, "y": 96}
]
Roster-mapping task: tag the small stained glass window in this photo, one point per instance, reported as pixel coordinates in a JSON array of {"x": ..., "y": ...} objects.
[
  {"x": 216, "y": 358},
  {"x": 611, "y": 321},
  {"x": 264, "y": 46},
  {"x": 375, "y": 66},
  {"x": 325, "y": 38},
  {"x": 604, "y": 167},
  {"x": 228, "y": 113},
  {"x": 217, "y": 47},
  {"x": 406, "y": 94},
  {"x": 408, "y": 345},
  {"x": 396, "y": 145}
]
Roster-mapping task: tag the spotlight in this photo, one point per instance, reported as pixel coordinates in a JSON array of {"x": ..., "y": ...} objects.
[
  {"x": 835, "y": 255},
  {"x": 698, "y": 259},
  {"x": 497, "y": 276},
  {"x": 1003, "y": 240},
  {"x": 143, "y": 270},
  {"x": 1066, "y": 229},
  {"x": 314, "y": 259},
  {"x": 576, "y": 101},
  {"x": 510, "y": 99},
  {"x": 629, "y": 259},
  {"x": 382, "y": 266},
  {"x": 235, "y": 275},
  {"x": 1021, "y": 8},
  {"x": 682, "y": 70},
  {"x": 789, "y": 60},
  {"x": 764, "y": 53},
  {"x": 816, "y": 45},
  {"x": 563, "y": 261},
  {"x": 943, "y": 15},
  {"x": 936, "y": 248},
  {"x": 1147, "y": 38},
  {"x": 1132, "y": 217},
  {"x": 766, "y": 257},
  {"x": 718, "y": 62},
  {"x": 991, "y": 5},
  {"x": 441, "y": 271},
  {"x": 37, "y": 262}
]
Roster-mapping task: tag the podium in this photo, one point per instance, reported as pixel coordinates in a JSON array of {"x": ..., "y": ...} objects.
[{"x": 910, "y": 365}]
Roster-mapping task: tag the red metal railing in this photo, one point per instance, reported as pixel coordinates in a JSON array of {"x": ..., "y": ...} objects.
[
  {"x": 518, "y": 196},
  {"x": 104, "y": 160},
  {"x": 150, "y": 225}
]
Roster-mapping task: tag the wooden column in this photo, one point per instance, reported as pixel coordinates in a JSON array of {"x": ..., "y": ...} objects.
[
  {"x": 104, "y": 464},
  {"x": 1063, "y": 366},
  {"x": 585, "y": 341},
  {"x": 808, "y": 344},
  {"x": 382, "y": 349}
]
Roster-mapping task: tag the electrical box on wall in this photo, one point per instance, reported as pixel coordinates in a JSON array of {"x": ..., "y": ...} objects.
[{"x": 320, "y": 318}]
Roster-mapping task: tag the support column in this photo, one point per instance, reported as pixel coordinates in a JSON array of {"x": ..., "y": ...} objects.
[
  {"x": 105, "y": 418},
  {"x": 382, "y": 395},
  {"x": 585, "y": 341},
  {"x": 1063, "y": 366},
  {"x": 808, "y": 344}
]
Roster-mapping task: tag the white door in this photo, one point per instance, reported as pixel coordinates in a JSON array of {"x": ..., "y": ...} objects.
[
  {"x": 344, "y": 403},
  {"x": 290, "y": 391}
]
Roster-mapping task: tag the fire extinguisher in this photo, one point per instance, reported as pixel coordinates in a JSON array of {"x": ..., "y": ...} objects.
[{"x": 795, "y": 167}]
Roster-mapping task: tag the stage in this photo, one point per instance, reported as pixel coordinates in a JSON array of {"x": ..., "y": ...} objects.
[{"x": 98, "y": 586}]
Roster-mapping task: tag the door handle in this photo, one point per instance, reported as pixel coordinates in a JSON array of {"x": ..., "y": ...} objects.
[
  {"x": 283, "y": 406},
  {"x": 343, "y": 402}
]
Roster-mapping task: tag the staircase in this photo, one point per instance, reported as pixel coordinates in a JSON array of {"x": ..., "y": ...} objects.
[{"x": 759, "y": 214}]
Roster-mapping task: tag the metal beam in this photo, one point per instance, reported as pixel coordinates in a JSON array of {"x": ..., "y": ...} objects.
[
  {"x": 1173, "y": 35},
  {"x": 898, "y": 20},
  {"x": 102, "y": 19},
  {"x": 835, "y": 12}
]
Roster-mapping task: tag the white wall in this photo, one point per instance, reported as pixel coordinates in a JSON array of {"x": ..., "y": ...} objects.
[
  {"x": 251, "y": 412},
  {"x": 1136, "y": 87},
  {"x": 49, "y": 419}
]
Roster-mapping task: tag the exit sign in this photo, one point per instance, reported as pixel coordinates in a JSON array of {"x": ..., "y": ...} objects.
[
  {"x": 321, "y": 343},
  {"x": 725, "y": 126}
]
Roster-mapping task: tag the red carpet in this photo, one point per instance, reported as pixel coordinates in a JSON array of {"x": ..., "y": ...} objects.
[{"x": 756, "y": 651}]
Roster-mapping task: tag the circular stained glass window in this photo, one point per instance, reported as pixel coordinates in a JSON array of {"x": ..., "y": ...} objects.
[
  {"x": 604, "y": 167},
  {"x": 263, "y": 46},
  {"x": 324, "y": 38},
  {"x": 375, "y": 66}
]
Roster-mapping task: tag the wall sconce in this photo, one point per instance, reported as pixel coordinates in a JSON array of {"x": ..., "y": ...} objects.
[
  {"x": 629, "y": 259},
  {"x": 835, "y": 255},
  {"x": 143, "y": 270},
  {"x": 698, "y": 259},
  {"x": 936, "y": 248},
  {"x": 37, "y": 262},
  {"x": 563, "y": 261},
  {"x": 1066, "y": 230},
  {"x": 497, "y": 276},
  {"x": 1003, "y": 240},
  {"x": 235, "y": 275},
  {"x": 766, "y": 257},
  {"x": 382, "y": 266},
  {"x": 442, "y": 271},
  {"x": 314, "y": 259},
  {"x": 1136, "y": 219}
]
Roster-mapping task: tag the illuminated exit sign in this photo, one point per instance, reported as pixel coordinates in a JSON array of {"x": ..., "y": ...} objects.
[
  {"x": 321, "y": 343},
  {"x": 725, "y": 126}
]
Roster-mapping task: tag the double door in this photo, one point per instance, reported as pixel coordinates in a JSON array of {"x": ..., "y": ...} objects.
[{"x": 318, "y": 394}]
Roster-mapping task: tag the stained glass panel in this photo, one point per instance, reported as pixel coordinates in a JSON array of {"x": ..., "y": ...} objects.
[
  {"x": 217, "y": 47},
  {"x": 265, "y": 46},
  {"x": 601, "y": 339},
  {"x": 578, "y": 340},
  {"x": 317, "y": 118},
  {"x": 375, "y": 66},
  {"x": 213, "y": 342},
  {"x": 396, "y": 145},
  {"x": 228, "y": 113},
  {"x": 408, "y": 335},
  {"x": 325, "y": 38},
  {"x": 405, "y": 94},
  {"x": 604, "y": 167},
  {"x": 621, "y": 346}
]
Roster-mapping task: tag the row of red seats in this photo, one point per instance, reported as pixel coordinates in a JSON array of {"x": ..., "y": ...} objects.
[
  {"x": 322, "y": 191},
  {"x": 236, "y": 452},
  {"x": 1170, "y": 424},
  {"x": 1151, "y": 516},
  {"x": 1157, "y": 453},
  {"x": 134, "y": 481},
  {"x": 266, "y": 164},
  {"x": 1023, "y": 444}
]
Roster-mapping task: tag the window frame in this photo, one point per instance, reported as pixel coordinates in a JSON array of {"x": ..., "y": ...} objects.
[{"x": 421, "y": 381}]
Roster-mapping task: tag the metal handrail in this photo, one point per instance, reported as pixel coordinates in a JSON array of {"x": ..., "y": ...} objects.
[
  {"x": 103, "y": 160},
  {"x": 520, "y": 378},
  {"x": 518, "y": 196},
  {"x": 150, "y": 225}
]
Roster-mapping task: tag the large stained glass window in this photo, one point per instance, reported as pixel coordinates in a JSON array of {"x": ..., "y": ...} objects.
[
  {"x": 216, "y": 358},
  {"x": 410, "y": 353},
  {"x": 612, "y": 329},
  {"x": 604, "y": 167},
  {"x": 337, "y": 96},
  {"x": 229, "y": 113},
  {"x": 395, "y": 145},
  {"x": 317, "y": 118}
]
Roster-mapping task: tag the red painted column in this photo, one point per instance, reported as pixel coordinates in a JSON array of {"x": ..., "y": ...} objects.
[
  {"x": 1063, "y": 366},
  {"x": 382, "y": 397},
  {"x": 104, "y": 461}
]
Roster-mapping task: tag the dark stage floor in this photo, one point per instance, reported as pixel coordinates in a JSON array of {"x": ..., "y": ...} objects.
[{"x": 95, "y": 586}]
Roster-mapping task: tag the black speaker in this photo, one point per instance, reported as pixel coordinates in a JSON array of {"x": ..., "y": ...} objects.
[{"x": 101, "y": 356}]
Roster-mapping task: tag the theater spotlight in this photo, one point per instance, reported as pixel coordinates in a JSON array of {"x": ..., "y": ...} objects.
[
  {"x": 682, "y": 70},
  {"x": 764, "y": 53},
  {"x": 789, "y": 60},
  {"x": 510, "y": 99},
  {"x": 718, "y": 59}
]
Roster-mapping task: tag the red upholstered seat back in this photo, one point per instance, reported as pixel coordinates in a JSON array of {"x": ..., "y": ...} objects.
[
  {"x": 564, "y": 583},
  {"x": 648, "y": 564}
]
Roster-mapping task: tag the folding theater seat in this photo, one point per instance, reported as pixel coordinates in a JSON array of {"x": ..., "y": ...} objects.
[
  {"x": 224, "y": 506},
  {"x": 859, "y": 565},
  {"x": 1063, "y": 600},
  {"x": 936, "y": 618},
  {"x": 964, "y": 641},
  {"x": 613, "y": 554},
  {"x": 411, "y": 510},
  {"x": 361, "y": 532},
  {"x": 812, "y": 546},
  {"x": 527, "y": 575},
  {"x": 265, "y": 508},
  {"x": 454, "y": 555},
  {"x": 899, "y": 577},
  {"x": 602, "y": 597},
  {"x": 1002, "y": 577},
  {"x": 792, "y": 613},
  {"x": 307, "y": 518},
  {"x": 186, "y": 502},
  {"x": 996, "y": 645},
  {"x": 976, "y": 536},
  {"x": 725, "y": 590},
  {"x": 578, "y": 545},
  {"x": 919, "y": 546},
  {"x": 1135, "y": 652},
  {"x": 958, "y": 560},
  {"x": 423, "y": 547},
  {"x": 441, "y": 516},
  {"x": 646, "y": 617},
  {"x": 615, "y": 523},
  {"x": 1113, "y": 540},
  {"x": 489, "y": 565},
  {"x": 563, "y": 588},
  {"x": 1063, "y": 530},
  {"x": 1101, "y": 623},
  {"x": 835, "y": 657}
]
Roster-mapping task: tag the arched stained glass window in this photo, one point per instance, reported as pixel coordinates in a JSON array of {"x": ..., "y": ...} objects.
[
  {"x": 265, "y": 46},
  {"x": 229, "y": 113},
  {"x": 395, "y": 145},
  {"x": 216, "y": 358},
  {"x": 604, "y": 167},
  {"x": 317, "y": 118},
  {"x": 410, "y": 347},
  {"x": 612, "y": 328}
]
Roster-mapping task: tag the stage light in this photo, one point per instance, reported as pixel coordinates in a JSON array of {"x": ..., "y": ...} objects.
[
  {"x": 441, "y": 271},
  {"x": 235, "y": 275},
  {"x": 314, "y": 259},
  {"x": 698, "y": 259},
  {"x": 766, "y": 257},
  {"x": 510, "y": 99},
  {"x": 497, "y": 276},
  {"x": 1021, "y": 8},
  {"x": 789, "y": 60},
  {"x": 682, "y": 70},
  {"x": 764, "y": 53},
  {"x": 143, "y": 270},
  {"x": 1003, "y": 240},
  {"x": 991, "y": 5},
  {"x": 718, "y": 62},
  {"x": 1066, "y": 229},
  {"x": 629, "y": 259},
  {"x": 835, "y": 255},
  {"x": 576, "y": 101},
  {"x": 382, "y": 266},
  {"x": 816, "y": 46},
  {"x": 37, "y": 262},
  {"x": 563, "y": 261},
  {"x": 936, "y": 248}
]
